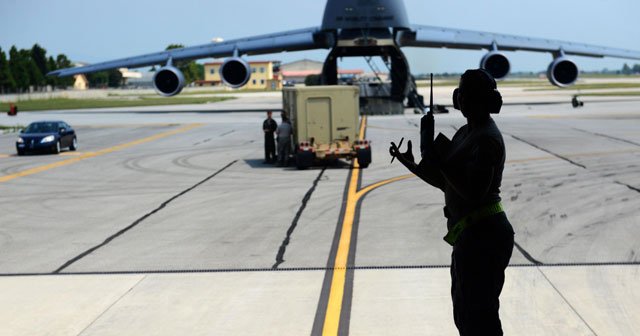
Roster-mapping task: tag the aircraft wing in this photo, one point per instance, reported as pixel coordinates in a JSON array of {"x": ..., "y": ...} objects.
[
  {"x": 438, "y": 37},
  {"x": 294, "y": 40}
]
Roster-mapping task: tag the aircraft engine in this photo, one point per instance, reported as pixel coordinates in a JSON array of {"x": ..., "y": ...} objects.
[
  {"x": 562, "y": 72},
  {"x": 168, "y": 81},
  {"x": 496, "y": 64},
  {"x": 235, "y": 72}
]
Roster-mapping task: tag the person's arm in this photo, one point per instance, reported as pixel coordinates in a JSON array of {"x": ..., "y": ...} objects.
[
  {"x": 473, "y": 178},
  {"x": 424, "y": 171}
]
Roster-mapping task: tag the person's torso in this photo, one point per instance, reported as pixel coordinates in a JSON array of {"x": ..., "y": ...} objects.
[
  {"x": 284, "y": 130},
  {"x": 463, "y": 152},
  {"x": 269, "y": 125}
]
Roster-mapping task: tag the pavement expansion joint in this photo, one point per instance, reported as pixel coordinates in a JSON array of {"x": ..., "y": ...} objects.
[
  {"x": 115, "y": 302},
  {"x": 141, "y": 219},
  {"x": 312, "y": 269},
  {"x": 567, "y": 301}
]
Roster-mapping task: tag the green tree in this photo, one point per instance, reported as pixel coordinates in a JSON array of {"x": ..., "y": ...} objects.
[
  {"x": 114, "y": 78},
  {"x": 51, "y": 66},
  {"x": 98, "y": 79},
  {"x": 39, "y": 57},
  {"x": 62, "y": 61},
  {"x": 36, "y": 78},
  {"x": 636, "y": 68},
  {"x": 18, "y": 69},
  {"x": 200, "y": 71},
  {"x": 190, "y": 69},
  {"x": 7, "y": 83},
  {"x": 626, "y": 70}
]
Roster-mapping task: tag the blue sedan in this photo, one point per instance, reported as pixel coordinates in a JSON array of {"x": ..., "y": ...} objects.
[{"x": 49, "y": 136}]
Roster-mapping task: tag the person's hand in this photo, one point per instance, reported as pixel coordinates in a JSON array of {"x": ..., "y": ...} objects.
[{"x": 406, "y": 157}]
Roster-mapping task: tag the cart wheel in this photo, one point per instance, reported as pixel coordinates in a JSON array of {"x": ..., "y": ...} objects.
[
  {"x": 364, "y": 157},
  {"x": 304, "y": 159}
]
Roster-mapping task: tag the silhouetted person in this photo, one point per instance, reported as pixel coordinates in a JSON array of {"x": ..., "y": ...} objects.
[
  {"x": 269, "y": 127},
  {"x": 469, "y": 172},
  {"x": 575, "y": 102},
  {"x": 284, "y": 131}
]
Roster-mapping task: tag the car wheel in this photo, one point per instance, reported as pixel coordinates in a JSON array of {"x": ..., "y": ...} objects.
[
  {"x": 20, "y": 152},
  {"x": 56, "y": 148},
  {"x": 74, "y": 144}
]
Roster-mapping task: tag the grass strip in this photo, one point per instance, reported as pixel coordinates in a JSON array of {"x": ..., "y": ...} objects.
[
  {"x": 72, "y": 104},
  {"x": 612, "y": 94},
  {"x": 514, "y": 82},
  {"x": 592, "y": 86},
  {"x": 10, "y": 129},
  {"x": 193, "y": 93}
]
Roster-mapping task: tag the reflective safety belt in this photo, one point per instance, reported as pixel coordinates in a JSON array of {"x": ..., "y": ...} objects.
[{"x": 456, "y": 230}]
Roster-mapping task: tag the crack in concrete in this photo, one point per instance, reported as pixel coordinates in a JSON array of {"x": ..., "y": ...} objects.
[
  {"x": 527, "y": 255},
  {"x": 547, "y": 151},
  {"x": 628, "y": 186},
  {"x": 607, "y": 136},
  {"x": 296, "y": 218}
]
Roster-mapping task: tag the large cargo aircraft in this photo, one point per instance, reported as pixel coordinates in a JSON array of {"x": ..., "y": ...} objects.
[{"x": 360, "y": 28}]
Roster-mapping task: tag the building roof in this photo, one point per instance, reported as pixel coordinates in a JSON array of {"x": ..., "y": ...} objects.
[
  {"x": 304, "y": 61},
  {"x": 304, "y": 73}
]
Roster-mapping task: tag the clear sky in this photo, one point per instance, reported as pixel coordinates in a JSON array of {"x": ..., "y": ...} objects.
[{"x": 99, "y": 30}]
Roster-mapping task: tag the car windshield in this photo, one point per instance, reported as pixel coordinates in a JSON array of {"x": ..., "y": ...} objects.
[{"x": 42, "y": 127}]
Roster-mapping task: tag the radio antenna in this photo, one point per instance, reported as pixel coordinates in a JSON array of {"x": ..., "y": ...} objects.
[{"x": 431, "y": 95}]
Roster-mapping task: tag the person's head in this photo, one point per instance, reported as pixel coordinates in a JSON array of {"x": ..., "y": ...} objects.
[
  {"x": 477, "y": 96},
  {"x": 269, "y": 113},
  {"x": 283, "y": 115}
]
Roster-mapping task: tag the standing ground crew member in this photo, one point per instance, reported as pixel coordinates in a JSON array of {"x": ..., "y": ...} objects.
[
  {"x": 284, "y": 131},
  {"x": 469, "y": 171},
  {"x": 269, "y": 126}
]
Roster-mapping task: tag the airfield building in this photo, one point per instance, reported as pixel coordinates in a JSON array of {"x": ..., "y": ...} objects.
[
  {"x": 296, "y": 72},
  {"x": 265, "y": 75}
]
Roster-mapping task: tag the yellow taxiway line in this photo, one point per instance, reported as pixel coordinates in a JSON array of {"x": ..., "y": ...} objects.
[
  {"x": 88, "y": 155},
  {"x": 336, "y": 293},
  {"x": 338, "y": 281},
  {"x": 354, "y": 196}
]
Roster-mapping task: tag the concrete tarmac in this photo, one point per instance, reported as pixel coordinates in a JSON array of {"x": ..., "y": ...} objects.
[{"x": 166, "y": 223}]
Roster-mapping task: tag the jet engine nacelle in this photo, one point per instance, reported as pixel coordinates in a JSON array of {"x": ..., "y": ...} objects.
[
  {"x": 235, "y": 72},
  {"x": 496, "y": 64},
  {"x": 562, "y": 72},
  {"x": 168, "y": 81}
]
